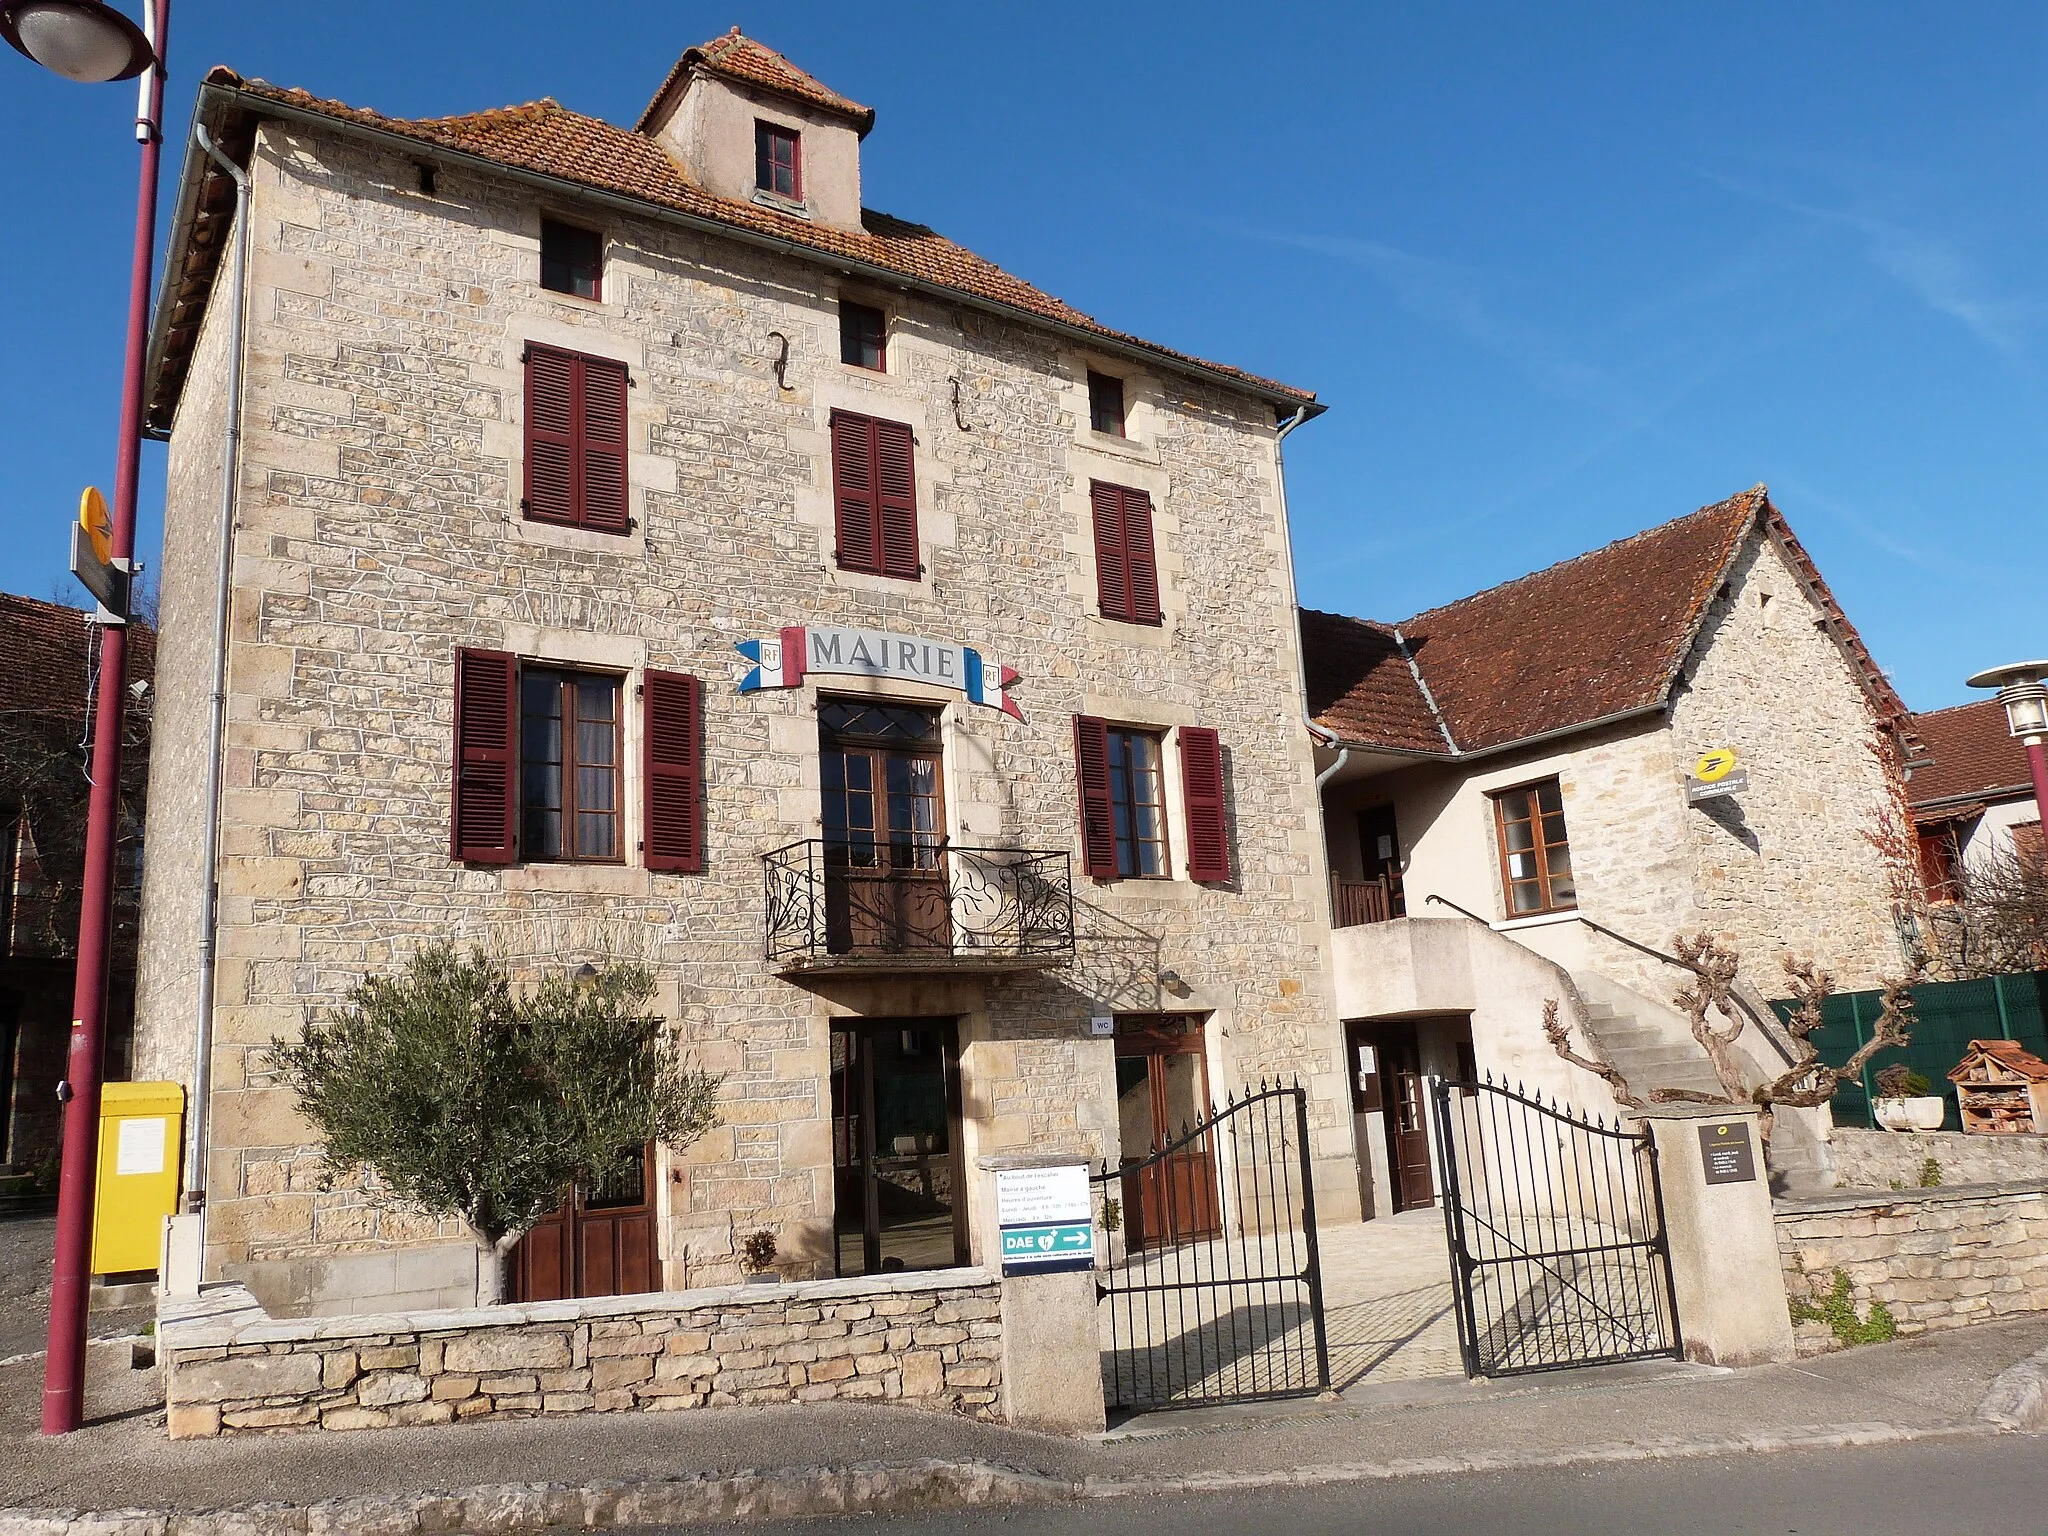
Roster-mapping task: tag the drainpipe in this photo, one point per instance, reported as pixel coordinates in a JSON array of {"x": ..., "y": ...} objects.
[{"x": 230, "y": 473}]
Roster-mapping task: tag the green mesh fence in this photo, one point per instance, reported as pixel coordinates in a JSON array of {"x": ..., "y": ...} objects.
[{"x": 1948, "y": 1016}]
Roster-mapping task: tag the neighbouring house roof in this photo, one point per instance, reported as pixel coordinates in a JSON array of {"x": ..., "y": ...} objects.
[
  {"x": 1972, "y": 756},
  {"x": 546, "y": 139},
  {"x": 1597, "y": 637},
  {"x": 50, "y": 651},
  {"x": 739, "y": 57}
]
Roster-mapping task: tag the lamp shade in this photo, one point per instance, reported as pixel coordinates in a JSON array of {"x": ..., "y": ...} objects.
[
  {"x": 83, "y": 40},
  {"x": 2023, "y": 690}
]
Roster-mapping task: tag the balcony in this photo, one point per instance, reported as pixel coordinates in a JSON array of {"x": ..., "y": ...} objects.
[
  {"x": 1358, "y": 902},
  {"x": 901, "y": 906}
]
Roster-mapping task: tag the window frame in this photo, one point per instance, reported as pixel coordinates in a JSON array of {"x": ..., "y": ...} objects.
[
  {"x": 1539, "y": 849},
  {"x": 767, "y": 136},
  {"x": 1123, "y": 799},
  {"x": 596, "y": 238},
  {"x": 851, "y": 309},
  {"x": 1122, "y": 429},
  {"x": 567, "y": 677}
]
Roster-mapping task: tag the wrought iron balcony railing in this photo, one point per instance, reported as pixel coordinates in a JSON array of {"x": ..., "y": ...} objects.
[{"x": 906, "y": 905}]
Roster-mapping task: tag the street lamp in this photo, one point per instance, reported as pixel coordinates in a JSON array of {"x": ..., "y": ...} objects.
[
  {"x": 90, "y": 41},
  {"x": 81, "y": 40},
  {"x": 2023, "y": 690}
]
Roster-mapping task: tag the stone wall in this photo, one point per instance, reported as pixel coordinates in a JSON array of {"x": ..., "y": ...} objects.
[
  {"x": 1895, "y": 1160},
  {"x": 379, "y": 530},
  {"x": 926, "y": 1341},
  {"x": 1937, "y": 1258}
]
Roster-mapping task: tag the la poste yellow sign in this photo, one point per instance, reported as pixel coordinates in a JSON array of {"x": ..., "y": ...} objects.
[{"x": 1715, "y": 765}]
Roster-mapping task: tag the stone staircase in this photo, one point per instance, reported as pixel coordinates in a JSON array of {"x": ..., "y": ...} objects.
[{"x": 1654, "y": 1055}]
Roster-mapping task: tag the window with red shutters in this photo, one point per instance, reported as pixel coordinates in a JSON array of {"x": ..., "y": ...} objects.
[
  {"x": 1098, "y": 810},
  {"x": 674, "y": 772},
  {"x": 1126, "y": 565},
  {"x": 575, "y": 440},
  {"x": 874, "y": 496},
  {"x": 485, "y": 752},
  {"x": 1201, "y": 784}
]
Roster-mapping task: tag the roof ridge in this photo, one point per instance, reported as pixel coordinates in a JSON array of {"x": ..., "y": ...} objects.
[
  {"x": 1950, "y": 709},
  {"x": 1755, "y": 494}
]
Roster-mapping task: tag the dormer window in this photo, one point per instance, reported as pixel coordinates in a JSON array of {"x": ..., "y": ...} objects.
[
  {"x": 778, "y": 168},
  {"x": 571, "y": 260},
  {"x": 863, "y": 336},
  {"x": 1106, "y": 403}
]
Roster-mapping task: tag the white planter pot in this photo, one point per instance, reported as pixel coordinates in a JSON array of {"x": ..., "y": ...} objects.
[{"x": 1917, "y": 1114}]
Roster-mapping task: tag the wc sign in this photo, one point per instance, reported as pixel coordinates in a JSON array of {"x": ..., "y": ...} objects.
[{"x": 1045, "y": 1219}]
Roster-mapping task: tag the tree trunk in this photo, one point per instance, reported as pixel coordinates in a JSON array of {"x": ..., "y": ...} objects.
[{"x": 493, "y": 1267}]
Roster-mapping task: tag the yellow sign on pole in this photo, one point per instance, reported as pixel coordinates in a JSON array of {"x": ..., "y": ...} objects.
[
  {"x": 97, "y": 522},
  {"x": 1714, "y": 766}
]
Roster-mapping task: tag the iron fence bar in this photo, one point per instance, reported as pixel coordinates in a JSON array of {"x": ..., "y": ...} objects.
[
  {"x": 1315, "y": 1264},
  {"x": 1447, "y": 1159},
  {"x": 1663, "y": 1242}
]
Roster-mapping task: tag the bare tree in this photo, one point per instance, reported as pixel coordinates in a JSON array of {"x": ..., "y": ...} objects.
[{"x": 2004, "y": 912}]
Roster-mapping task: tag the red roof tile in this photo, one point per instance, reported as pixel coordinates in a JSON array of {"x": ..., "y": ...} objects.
[
  {"x": 48, "y": 650},
  {"x": 1600, "y": 635},
  {"x": 2009, "y": 1054},
  {"x": 1974, "y": 755},
  {"x": 548, "y": 139},
  {"x": 741, "y": 58}
]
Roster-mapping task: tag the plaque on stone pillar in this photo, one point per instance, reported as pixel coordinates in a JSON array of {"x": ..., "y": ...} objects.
[{"x": 1726, "y": 1154}]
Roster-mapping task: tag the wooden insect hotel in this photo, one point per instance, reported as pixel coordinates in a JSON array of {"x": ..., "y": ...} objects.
[{"x": 2002, "y": 1089}]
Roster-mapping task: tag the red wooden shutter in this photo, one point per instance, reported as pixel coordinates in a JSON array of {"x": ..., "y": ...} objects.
[
  {"x": 1098, "y": 812},
  {"x": 896, "y": 499},
  {"x": 853, "y": 492},
  {"x": 602, "y": 439},
  {"x": 1139, "y": 558},
  {"x": 1201, "y": 784},
  {"x": 673, "y": 725},
  {"x": 1112, "y": 568},
  {"x": 485, "y": 757},
  {"x": 550, "y": 436}
]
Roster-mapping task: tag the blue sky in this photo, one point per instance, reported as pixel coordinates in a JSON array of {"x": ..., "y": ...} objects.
[{"x": 1560, "y": 272}]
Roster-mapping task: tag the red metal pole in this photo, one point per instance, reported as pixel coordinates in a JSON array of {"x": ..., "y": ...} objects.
[
  {"x": 2037, "y": 761},
  {"x": 64, "y": 1367}
]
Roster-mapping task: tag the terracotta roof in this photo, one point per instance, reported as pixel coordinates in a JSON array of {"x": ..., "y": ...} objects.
[
  {"x": 2009, "y": 1054},
  {"x": 49, "y": 650},
  {"x": 546, "y": 138},
  {"x": 1973, "y": 755},
  {"x": 741, "y": 58},
  {"x": 1604, "y": 634}
]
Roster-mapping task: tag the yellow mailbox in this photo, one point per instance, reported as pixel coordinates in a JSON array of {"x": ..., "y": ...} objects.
[{"x": 142, "y": 1129}]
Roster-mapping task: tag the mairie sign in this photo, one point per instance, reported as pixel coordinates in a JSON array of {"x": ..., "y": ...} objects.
[
  {"x": 1056, "y": 1243},
  {"x": 800, "y": 649}
]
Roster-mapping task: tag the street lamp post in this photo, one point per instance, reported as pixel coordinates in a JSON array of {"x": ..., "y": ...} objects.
[
  {"x": 2023, "y": 690},
  {"x": 89, "y": 41}
]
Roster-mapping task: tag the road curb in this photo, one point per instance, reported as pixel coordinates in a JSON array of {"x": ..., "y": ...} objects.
[
  {"x": 2019, "y": 1398},
  {"x": 506, "y": 1509}
]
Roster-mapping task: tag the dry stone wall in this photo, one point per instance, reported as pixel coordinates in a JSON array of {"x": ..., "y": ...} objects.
[
  {"x": 1895, "y": 1160},
  {"x": 925, "y": 1341},
  {"x": 1937, "y": 1258}
]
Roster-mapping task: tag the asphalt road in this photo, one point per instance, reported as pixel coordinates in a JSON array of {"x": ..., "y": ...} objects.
[
  {"x": 26, "y": 1245},
  {"x": 1983, "y": 1487}
]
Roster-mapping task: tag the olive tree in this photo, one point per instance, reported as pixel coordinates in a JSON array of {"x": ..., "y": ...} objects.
[{"x": 466, "y": 1096}]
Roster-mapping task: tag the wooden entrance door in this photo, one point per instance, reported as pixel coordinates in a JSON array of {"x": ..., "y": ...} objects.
[
  {"x": 1407, "y": 1121},
  {"x": 1380, "y": 844},
  {"x": 897, "y": 1178},
  {"x": 597, "y": 1242},
  {"x": 1162, "y": 1089},
  {"x": 884, "y": 819}
]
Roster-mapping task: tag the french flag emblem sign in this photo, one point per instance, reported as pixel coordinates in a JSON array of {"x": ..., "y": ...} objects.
[{"x": 799, "y": 650}]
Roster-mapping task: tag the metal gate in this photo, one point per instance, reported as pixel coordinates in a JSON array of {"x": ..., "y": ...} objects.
[
  {"x": 1214, "y": 1293},
  {"x": 1556, "y": 1229}
]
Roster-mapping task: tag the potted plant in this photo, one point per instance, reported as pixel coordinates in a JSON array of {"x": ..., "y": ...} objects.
[
  {"x": 1903, "y": 1102},
  {"x": 757, "y": 1254}
]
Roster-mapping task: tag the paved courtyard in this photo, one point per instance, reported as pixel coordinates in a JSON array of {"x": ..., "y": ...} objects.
[{"x": 1387, "y": 1299}]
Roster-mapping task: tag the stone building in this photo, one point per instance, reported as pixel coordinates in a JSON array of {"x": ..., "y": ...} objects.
[
  {"x": 1520, "y": 807},
  {"x": 643, "y": 550},
  {"x": 45, "y": 703}
]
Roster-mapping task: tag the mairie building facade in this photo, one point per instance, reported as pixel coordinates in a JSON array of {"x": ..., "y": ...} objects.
[{"x": 641, "y": 551}]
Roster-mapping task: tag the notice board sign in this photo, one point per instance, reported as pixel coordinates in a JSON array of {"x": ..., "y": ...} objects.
[
  {"x": 1045, "y": 1218},
  {"x": 1726, "y": 1153}
]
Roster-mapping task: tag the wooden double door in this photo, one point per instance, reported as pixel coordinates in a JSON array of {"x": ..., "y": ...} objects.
[
  {"x": 884, "y": 807},
  {"x": 1162, "y": 1089},
  {"x": 598, "y": 1242}
]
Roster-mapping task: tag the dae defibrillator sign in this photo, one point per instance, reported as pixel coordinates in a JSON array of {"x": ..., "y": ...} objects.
[{"x": 1046, "y": 1219}]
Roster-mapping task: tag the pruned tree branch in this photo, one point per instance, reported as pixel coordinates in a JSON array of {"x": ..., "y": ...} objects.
[{"x": 1561, "y": 1041}]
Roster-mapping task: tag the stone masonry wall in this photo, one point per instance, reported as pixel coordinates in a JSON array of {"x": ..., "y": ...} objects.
[
  {"x": 926, "y": 1341},
  {"x": 1938, "y": 1258},
  {"x": 1895, "y": 1160},
  {"x": 379, "y": 530}
]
